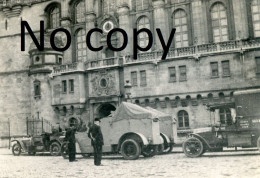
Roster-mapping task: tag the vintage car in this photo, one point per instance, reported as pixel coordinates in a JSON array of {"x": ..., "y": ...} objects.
[
  {"x": 131, "y": 130},
  {"x": 168, "y": 130},
  {"x": 46, "y": 142},
  {"x": 240, "y": 128}
]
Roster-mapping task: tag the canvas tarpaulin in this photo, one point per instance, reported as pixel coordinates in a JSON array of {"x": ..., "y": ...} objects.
[
  {"x": 128, "y": 111},
  {"x": 159, "y": 114}
]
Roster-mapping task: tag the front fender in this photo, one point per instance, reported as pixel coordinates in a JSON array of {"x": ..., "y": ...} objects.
[
  {"x": 18, "y": 142},
  {"x": 204, "y": 141},
  {"x": 144, "y": 139},
  {"x": 165, "y": 138}
]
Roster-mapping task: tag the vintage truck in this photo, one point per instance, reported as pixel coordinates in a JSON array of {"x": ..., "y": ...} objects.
[
  {"x": 235, "y": 129},
  {"x": 131, "y": 130}
]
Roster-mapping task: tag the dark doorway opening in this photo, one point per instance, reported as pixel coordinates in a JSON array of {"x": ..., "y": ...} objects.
[{"x": 105, "y": 110}]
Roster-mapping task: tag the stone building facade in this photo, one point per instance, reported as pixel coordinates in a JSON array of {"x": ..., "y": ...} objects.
[{"x": 215, "y": 52}]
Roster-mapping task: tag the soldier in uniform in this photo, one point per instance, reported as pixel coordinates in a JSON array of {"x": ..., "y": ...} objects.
[
  {"x": 96, "y": 137},
  {"x": 70, "y": 137}
]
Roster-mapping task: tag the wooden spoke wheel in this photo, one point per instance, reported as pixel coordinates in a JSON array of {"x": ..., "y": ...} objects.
[{"x": 193, "y": 147}]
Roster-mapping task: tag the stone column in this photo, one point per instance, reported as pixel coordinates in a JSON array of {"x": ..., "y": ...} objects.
[
  {"x": 199, "y": 22},
  {"x": 160, "y": 22},
  {"x": 90, "y": 24},
  {"x": 240, "y": 19},
  {"x": 65, "y": 23},
  {"x": 124, "y": 23}
]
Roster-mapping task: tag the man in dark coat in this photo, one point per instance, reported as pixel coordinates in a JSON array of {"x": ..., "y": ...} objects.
[
  {"x": 70, "y": 137},
  {"x": 96, "y": 137}
]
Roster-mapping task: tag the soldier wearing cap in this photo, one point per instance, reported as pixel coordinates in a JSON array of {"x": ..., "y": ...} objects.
[{"x": 96, "y": 137}]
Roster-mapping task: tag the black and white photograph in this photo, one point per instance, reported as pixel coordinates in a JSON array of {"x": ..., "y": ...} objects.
[{"x": 129, "y": 88}]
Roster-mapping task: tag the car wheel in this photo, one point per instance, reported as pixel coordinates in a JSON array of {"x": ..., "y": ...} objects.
[
  {"x": 16, "y": 149},
  {"x": 150, "y": 151},
  {"x": 55, "y": 149},
  {"x": 258, "y": 143},
  {"x": 64, "y": 150},
  {"x": 192, "y": 147},
  {"x": 130, "y": 149},
  {"x": 160, "y": 149}
]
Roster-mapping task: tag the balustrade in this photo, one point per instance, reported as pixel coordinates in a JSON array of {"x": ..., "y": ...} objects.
[
  {"x": 173, "y": 53},
  {"x": 14, "y": 2}
]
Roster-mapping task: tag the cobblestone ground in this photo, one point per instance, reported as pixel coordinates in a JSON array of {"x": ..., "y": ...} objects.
[{"x": 225, "y": 164}]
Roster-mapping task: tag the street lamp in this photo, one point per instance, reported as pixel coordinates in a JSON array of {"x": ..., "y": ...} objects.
[{"x": 128, "y": 87}]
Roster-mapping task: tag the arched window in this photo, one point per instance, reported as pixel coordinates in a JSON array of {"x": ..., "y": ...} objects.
[
  {"x": 181, "y": 25},
  {"x": 255, "y": 8},
  {"x": 219, "y": 22},
  {"x": 73, "y": 122},
  {"x": 183, "y": 119},
  {"x": 81, "y": 44},
  {"x": 80, "y": 12},
  {"x": 225, "y": 116},
  {"x": 54, "y": 17},
  {"x": 143, "y": 38}
]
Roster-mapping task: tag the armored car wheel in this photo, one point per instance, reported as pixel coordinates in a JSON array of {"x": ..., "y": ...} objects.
[
  {"x": 55, "y": 149},
  {"x": 160, "y": 149},
  {"x": 169, "y": 148},
  {"x": 16, "y": 149},
  {"x": 130, "y": 149},
  {"x": 192, "y": 147},
  {"x": 150, "y": 151}
]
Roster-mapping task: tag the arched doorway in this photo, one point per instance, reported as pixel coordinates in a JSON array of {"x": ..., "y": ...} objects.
[{"x": 104, "y": 110}]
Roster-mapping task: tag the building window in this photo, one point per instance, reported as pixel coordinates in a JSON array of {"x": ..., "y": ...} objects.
[
  {"x": 81, "y": 45},
  {"x": 55, "y": 17},
  {"x": 183, "y": 73},
  {"x": 225, "y": 116},
  {"x": 143, "y": 78},
  {"x": 71, "y": 85},
  {"x": 80, "y": 12},
  {"x": 181, "y": 25},
  {"x": 225, "y": 68},
  {"x": 143, "y": 39},
  {"x": 219, "y": 22},
  {"x": 134, "y": 78},
  {"x": 257, "y": 60},
  {"x": 214, "y": 69},
  {"x": 64, "y": 86},
  {"x": 109, "y": 6},
  {"x": 37, "y": 88},
  {"x": 183, "y": 119},
  {"x": 73, "y": 122},
  {"x": 255, "y": 9},
  {"x": 59, "y": 60},
  {"x": 172, "y": 74},
  {"x": 142, "y": 4}
]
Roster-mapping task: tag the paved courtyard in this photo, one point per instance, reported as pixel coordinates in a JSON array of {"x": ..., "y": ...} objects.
[{"x": 225, "y": 164}]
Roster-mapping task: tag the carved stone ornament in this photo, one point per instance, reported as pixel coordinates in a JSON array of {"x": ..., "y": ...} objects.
[{"x": 103, "y": 84}]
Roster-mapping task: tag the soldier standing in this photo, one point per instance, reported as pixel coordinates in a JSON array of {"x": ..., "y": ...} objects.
[
  {"x": 96, "y": 137},
  {"x": 70, "y": 137}
]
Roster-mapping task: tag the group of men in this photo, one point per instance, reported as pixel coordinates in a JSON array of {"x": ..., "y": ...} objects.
[{"x": 94, "y": 133}]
